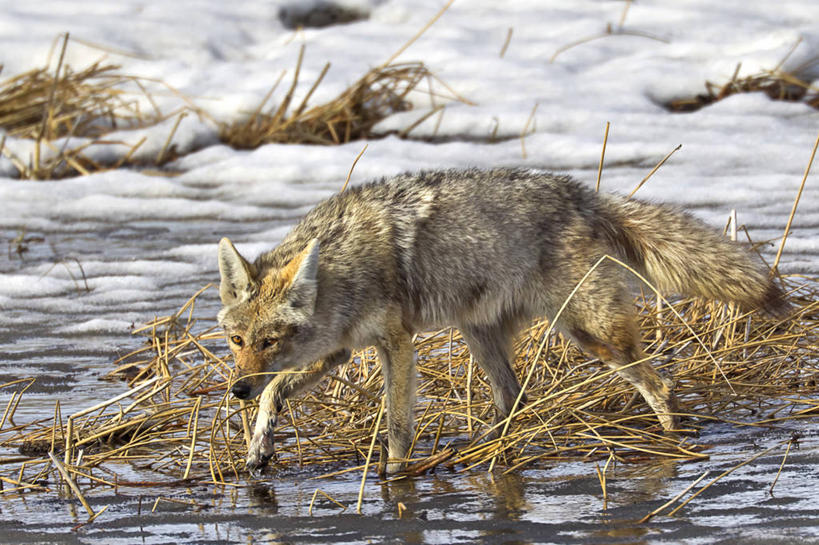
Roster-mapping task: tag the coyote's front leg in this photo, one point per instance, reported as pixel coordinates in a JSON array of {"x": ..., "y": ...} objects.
[
  {"x": 261, "y": 445},
  {"x": 284, "y": 386},
  {"x": 397, "y": 355}
]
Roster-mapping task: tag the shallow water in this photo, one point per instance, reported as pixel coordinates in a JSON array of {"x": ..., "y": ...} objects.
[
  {"x": 562, "y": 504},
  {"x": 67, "y": 337},
  {"x": 144, "y": 243}
]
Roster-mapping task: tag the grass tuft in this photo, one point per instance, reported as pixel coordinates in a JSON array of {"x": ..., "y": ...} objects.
[
  {"x": 177, "y": 419},
  {"x": 379, "y": 93}
]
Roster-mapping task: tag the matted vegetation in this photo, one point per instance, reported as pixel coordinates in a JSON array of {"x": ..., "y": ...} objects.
[
  {"x": 52, "y": 107},
  {"x": 177, "y": 419},
  {"x": 380, "y": 92},
  {"x": 776, "y": 84},
  {"x": 66, "y": 112},
  {"x": 36, "y": 104}
]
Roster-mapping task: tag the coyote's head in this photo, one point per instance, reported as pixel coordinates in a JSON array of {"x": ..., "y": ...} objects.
[{"x": 268, "y": 320}]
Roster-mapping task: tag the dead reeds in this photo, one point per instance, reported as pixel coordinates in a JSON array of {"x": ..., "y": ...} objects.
[
  {"x": 776, "y": 84},
  {"x": 66, "y": 112},
  {"x": 51, "y": 109},
  {"x": 66, "y": 101},
  {"x": 176, "y": 419},
  {"x": 380, "y": 92}
]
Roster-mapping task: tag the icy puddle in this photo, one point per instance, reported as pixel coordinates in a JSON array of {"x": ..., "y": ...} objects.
[
  {"x": 84, "y": 260},
  {"x": 67, "y": 337},
  {"x": 563, "y": 504}
]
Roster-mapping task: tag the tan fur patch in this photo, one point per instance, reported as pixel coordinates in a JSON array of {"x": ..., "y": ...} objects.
[
  {"x": 272, "y": 285},
  {"x": 601, "y": 350},
  {"x": 277, "y": 282},
  {"x": 248, "y": 362}
]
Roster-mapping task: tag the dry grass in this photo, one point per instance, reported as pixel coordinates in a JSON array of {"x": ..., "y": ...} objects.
[
  {"x": 66, "y": 112},
  {"x": 777, "y": 84},
  {"x": 177, "y": 419},
  {"x": 380, "y": 92},
  {"x": 53, "y": 106},
  {"x": 73, "y": 104},
  {"x": 46, "y": 105}
]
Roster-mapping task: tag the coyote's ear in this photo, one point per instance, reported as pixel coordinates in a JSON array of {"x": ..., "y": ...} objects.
[
  {"x": 301, "y": 292},
  {"x": 237, "y": 273}
]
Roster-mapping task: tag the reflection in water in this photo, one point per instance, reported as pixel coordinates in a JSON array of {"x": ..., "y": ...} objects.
[
  {"x": 624, "y": 532},
  {"x": 651, "y": 479},
  {"x": 509, "y": 496},
  {"x": 500, "y": 499},
  {"x": 635, "y": 484},
  {"x": 442, "y": 484},
  {"x": 400, "y": 497},
  {"x": 403, "y": 491},
  {"x": 263, "y": 496},
  {"x": 561, "y": 504}
]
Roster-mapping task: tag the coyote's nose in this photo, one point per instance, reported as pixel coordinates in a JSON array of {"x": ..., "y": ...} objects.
[{"x": 241, "y": 390}]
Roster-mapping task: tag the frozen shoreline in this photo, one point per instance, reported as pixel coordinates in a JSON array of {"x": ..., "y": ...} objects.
[{"x": 145, "y": 243}]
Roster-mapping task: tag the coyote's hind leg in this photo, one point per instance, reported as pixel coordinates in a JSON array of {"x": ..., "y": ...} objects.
[
  {"x": 491, "y": 347},
  {"x": 657, "y": 390},
  {"x": 602, "y": 321}
]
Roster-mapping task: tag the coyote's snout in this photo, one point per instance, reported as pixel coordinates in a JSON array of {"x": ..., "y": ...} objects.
[
  {"x": 483, "y": 251},
  {"x": 241, "y": 389}
]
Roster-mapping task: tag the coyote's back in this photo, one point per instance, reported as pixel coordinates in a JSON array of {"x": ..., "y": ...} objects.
[{"x": 471, "y": 245}]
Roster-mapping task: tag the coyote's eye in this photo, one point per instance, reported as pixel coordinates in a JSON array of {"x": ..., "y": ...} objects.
[
  {"x": 236, "y": 339},
  {"x": 269, "y": 342}
]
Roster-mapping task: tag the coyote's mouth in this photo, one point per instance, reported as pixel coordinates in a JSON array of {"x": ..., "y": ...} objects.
[{"x": 245, "y": 389}]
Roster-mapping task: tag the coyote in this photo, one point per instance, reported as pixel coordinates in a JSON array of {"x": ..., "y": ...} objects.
[{"x": 485, "y": 251}]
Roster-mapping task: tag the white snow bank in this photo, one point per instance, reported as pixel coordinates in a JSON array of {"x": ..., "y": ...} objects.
[{"x": 147, "y": 242}]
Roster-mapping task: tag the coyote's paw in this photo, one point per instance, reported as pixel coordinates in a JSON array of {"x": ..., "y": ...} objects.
[
  {"x": 260, "y": 452},
  {"x": 666, "y": 404},
  {"x": 261, "y": 447}
]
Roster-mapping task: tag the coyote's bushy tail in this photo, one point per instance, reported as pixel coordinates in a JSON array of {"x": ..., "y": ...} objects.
[{"x": 681, "y": 254}]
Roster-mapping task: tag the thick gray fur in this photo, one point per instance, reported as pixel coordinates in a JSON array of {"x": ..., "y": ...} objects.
[{"x": 485, "y": 251}]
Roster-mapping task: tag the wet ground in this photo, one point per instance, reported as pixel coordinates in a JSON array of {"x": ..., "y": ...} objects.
[
  {"x": 559, "y": 504},
  {"x": 562, "y": 504}
]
